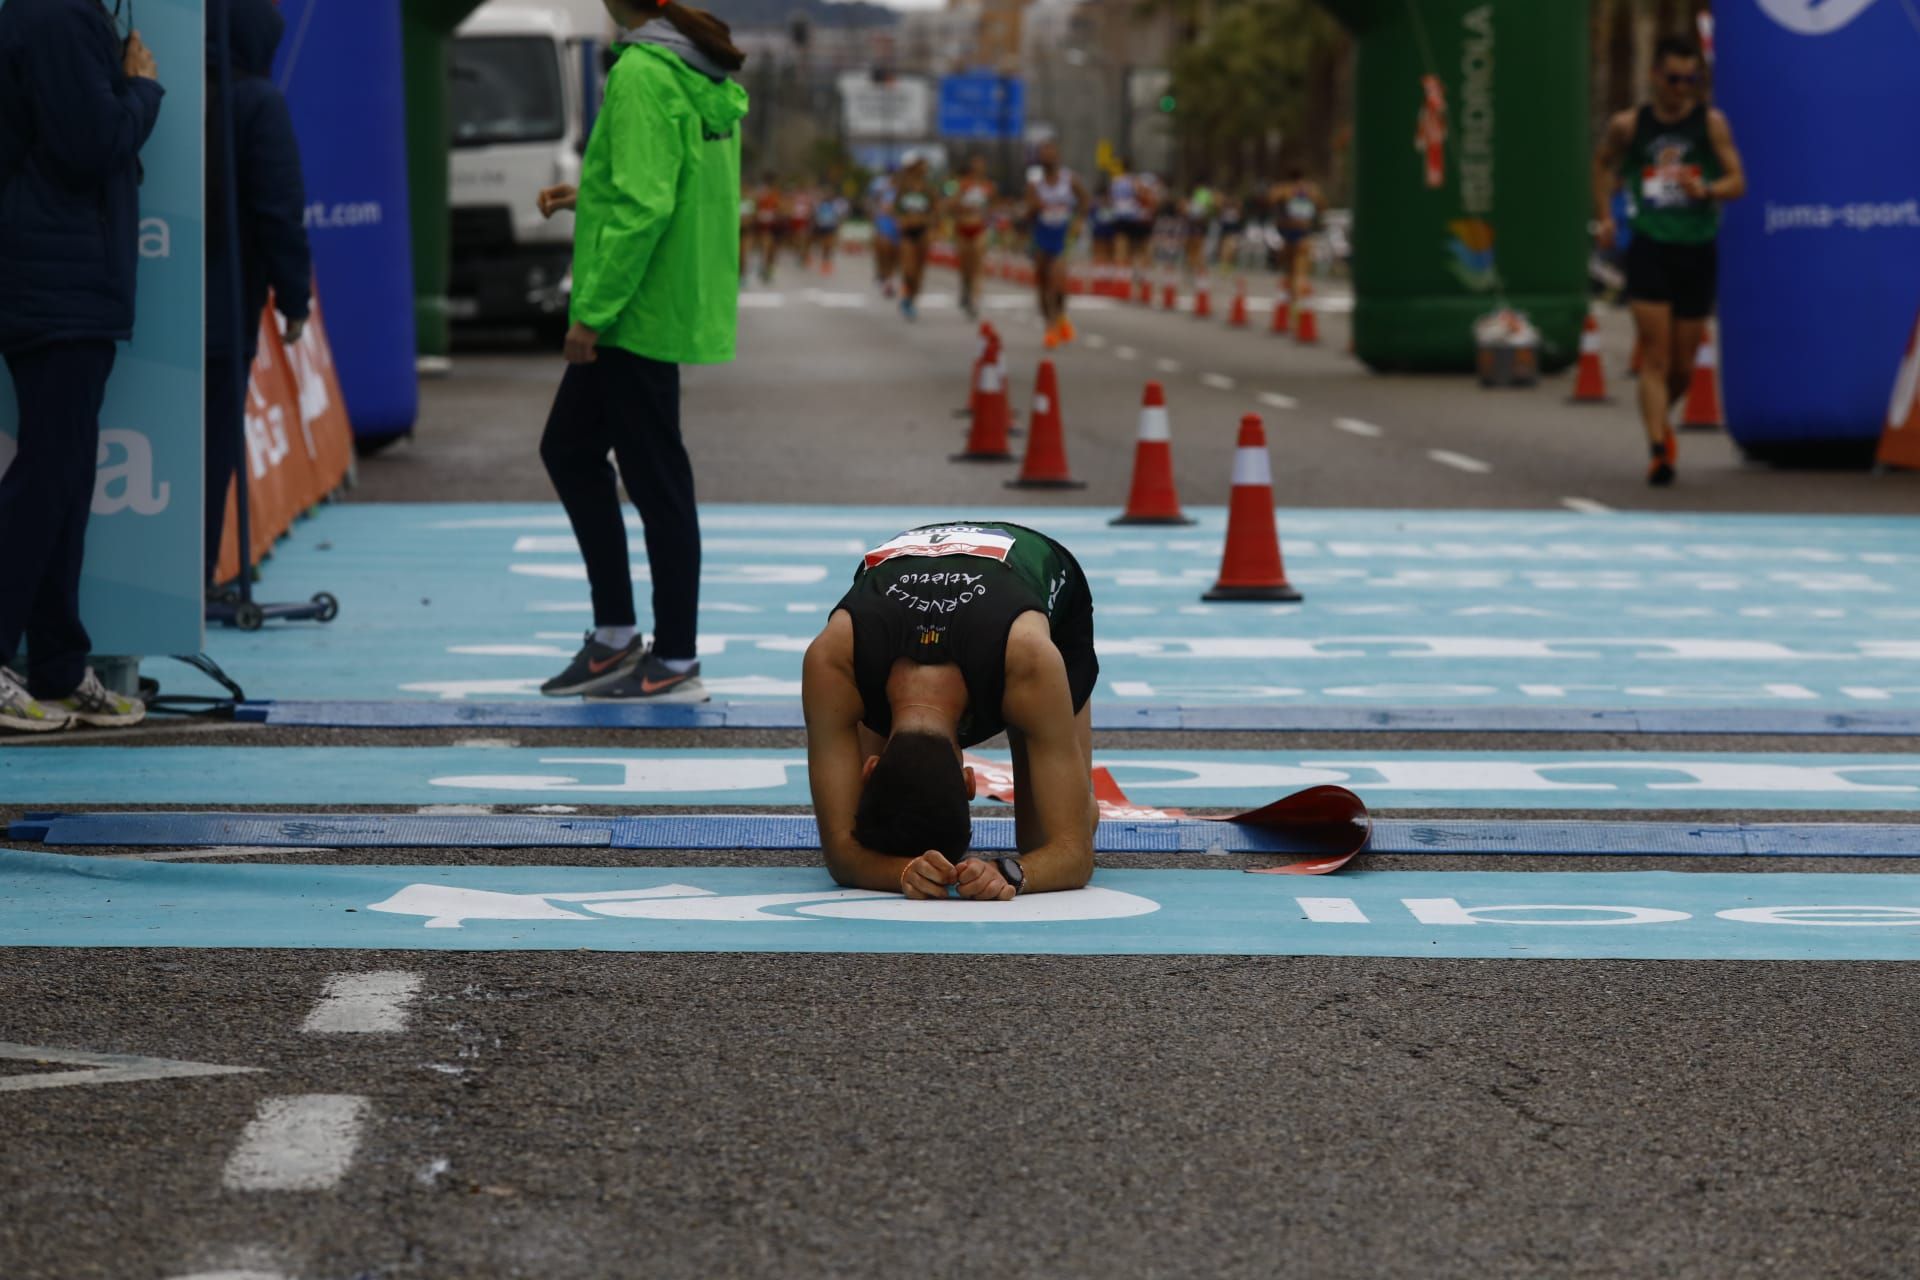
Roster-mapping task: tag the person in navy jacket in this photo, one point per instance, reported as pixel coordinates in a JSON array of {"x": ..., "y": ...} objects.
[
  {"x": 267, "y": 241},
  {"x": 76, "y": 105}
]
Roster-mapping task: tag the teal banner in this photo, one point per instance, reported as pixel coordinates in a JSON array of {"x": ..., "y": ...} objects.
[
  {"x": 141, "y": 592},
  {"x": 57, "y": 900}
]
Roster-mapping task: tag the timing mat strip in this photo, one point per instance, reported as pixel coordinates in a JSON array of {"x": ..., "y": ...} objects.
[
  {"x": 797, "y": 831},
  {"x": 1212, "y": 719}
]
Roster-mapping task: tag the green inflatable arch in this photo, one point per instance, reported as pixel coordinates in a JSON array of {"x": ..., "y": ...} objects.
[{"x": 1471, "y": 186}]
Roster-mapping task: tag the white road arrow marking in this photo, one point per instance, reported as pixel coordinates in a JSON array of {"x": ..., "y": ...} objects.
[{"x": 102, "y": 1068}]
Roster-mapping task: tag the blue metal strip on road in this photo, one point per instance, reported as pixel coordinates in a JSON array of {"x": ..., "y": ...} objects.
[
  {"x": 56, "y": 900},
  {"x": 797, "y": 832},
  {"x": 44, "y": 777},
  {"x": 1107, "y": 718},
  {"x": 1416, "y": 611}
]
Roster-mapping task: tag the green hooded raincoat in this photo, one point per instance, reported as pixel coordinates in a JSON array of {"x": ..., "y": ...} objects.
[{"x": 656, "y": 241}]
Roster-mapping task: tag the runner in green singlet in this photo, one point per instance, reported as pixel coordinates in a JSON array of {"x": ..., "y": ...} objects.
[
  {"x": 949, "y": 635},
  {"x": 1677, "y": 158}
]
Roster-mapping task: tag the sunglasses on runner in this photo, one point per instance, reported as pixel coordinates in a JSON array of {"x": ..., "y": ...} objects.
[{"x": 1680, "y": 78}]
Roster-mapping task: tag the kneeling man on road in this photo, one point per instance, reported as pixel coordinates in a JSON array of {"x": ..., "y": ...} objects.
[{"x": 950, "y": 634}]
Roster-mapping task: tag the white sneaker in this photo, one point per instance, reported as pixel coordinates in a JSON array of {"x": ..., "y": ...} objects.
[
  {"x": 23, "y": 713},
  {"x": 93, "y": 703}
]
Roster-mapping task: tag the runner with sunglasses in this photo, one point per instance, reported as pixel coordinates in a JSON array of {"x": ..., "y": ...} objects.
[{"x": 1675, "y": 154}]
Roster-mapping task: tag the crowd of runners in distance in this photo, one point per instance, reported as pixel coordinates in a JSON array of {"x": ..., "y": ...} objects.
[{"x": 1130, "y": 219}]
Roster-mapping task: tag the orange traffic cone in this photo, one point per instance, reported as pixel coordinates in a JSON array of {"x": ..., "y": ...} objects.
[
  {"x": 1590, "y": 380},
  {"x": 1306, "y": 325},
  {"x": 1250, "y": 567},
  {"x": 1169, "y": 295},
  {"x": 1237, "y": 313},
  {"x": 1152, "y": 500},
  {"x": 1900, "y": 442},
  {"x": 1702, "y": 410},
  {"x": 1283, "y": 312},
  {"x": 989, "y": 350},
  {"x": 1143, "y": 291},
  {"x": 987, "y": 438},
  {"x": 1045, "y": 466},
  {"x": 1202, "y": 299}
]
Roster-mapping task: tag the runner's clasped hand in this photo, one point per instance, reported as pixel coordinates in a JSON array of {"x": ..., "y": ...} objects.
[{"x": 930, "y": 875}]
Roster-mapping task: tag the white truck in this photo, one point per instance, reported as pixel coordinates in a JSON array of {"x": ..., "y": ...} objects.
[{"x": 525, "y": 83}]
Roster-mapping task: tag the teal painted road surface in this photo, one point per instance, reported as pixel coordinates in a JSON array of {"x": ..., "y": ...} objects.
[
  {"x": 1404, "y": 609},
  {"x": 55, "y": 900},
  {"x": 215, "y": 777}
]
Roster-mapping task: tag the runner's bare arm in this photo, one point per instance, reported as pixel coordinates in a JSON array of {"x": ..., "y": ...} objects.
[
  {"x": 1039, "y": 703},
  {"x": 831, "y": 703},
  {"x": 1732, "y": 182},
  {"x": 1606, "y": 174}
]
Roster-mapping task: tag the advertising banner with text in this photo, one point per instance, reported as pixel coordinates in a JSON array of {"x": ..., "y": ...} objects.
[{"x": 141, "y": 593}]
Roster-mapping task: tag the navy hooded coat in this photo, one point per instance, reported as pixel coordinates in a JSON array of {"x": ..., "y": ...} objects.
[
  {"x": 268, "y": 195},
  {"x": 71, "y": 127}
]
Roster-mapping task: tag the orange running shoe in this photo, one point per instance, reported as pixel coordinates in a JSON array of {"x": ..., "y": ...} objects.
[
  {"x": 1052, "y": 340},
  {"x": 1067, "y": 333}
]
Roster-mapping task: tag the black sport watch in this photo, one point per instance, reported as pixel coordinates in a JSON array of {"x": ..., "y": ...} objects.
[{"x": 1013, "y": 873}]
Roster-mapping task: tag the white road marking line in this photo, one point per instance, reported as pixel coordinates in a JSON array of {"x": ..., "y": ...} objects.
[
  {"x": 101, "y": 1068},
  {"x": 455, "y": 810},
  {"x": 1459, "y": 461},
  {"x": 304, "y": 1142},
  {"x": 1586, "y": 506},
  {"x": 1218, "y": 381},
  {"x": 1353, "y": 426},
  {"x": 1274, "y": 400},
  {"x": 364, "y": 1002},
  {"x": 1126, "y": 353},
  {"x": 485, "y": 744},
  {"x": 1093, "y": 340},
  {"x": 1166, "y": 365}
]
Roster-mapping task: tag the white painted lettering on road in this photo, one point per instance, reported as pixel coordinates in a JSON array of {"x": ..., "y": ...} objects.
[
  {"x": 1218, "y": 381},
  {"x": 1274, "y": 400},
  {"x": 1355, "y": 427}
]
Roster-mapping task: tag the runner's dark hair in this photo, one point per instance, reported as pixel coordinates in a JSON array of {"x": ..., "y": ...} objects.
[
  {"x": 1675, "y": 47},
  {"x": 916, "y": 800}
]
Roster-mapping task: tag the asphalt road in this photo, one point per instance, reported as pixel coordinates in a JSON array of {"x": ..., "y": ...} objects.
[{"x": 567, "y": 1114}]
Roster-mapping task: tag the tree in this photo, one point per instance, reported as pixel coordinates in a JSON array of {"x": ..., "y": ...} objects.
[{"x": 1257, "y": 70}]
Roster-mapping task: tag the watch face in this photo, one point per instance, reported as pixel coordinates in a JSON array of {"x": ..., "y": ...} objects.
[{"x": 1013, "y": 872}]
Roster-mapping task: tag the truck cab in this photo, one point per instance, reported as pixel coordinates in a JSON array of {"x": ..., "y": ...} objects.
[{"x": 524, "y": 84}]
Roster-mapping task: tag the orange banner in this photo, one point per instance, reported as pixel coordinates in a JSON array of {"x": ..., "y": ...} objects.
[
  {"x": 299, "y": 443},
  {"x": 1900, "y": 444}
]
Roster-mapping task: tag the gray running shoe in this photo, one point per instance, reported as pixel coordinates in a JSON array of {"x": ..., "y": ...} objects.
[
  {"x": 595, "y": 667},
  {"x": 95, "y": 704},
  {"x": 23, "y": 713},
  {"x": 653, "y": 681}
]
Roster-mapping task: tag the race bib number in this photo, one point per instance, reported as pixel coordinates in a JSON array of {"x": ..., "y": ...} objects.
[
  {"x": 1661, "y": 188},
  {"x": 948, "y": 540}
]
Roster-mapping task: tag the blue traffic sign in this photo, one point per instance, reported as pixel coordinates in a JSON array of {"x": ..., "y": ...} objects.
[{"x": 982, "y": 107}]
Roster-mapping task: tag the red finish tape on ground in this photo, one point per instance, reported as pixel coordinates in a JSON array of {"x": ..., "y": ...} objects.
[{"x": 1329, "y": 824}]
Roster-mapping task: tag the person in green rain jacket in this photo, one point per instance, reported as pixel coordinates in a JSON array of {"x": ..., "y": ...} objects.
[{"x": 656, "y": 258}]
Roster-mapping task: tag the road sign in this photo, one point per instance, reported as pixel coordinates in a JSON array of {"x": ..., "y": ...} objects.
[
  {"x": 894, "y": 108},
  {"x": 982, "y": 107}
]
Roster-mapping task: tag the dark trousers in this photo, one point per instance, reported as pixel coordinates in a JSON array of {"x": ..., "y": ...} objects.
[
  {"x": 45, "y": 500},
  {"x": 629, "y": 406},
  {"x": 226, "y": 407}
]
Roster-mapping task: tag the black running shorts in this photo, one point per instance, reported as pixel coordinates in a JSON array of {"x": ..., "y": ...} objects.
[{"x": 1682, "y": 275}]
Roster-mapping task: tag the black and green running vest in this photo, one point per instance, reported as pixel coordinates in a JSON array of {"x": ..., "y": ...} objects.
[
  {"x": 949, "y": 593},
  {"x": 1656, "y": 161}
]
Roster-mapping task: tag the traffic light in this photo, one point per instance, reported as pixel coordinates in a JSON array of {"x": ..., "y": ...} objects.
[{"x": 1167, "y": 103}]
